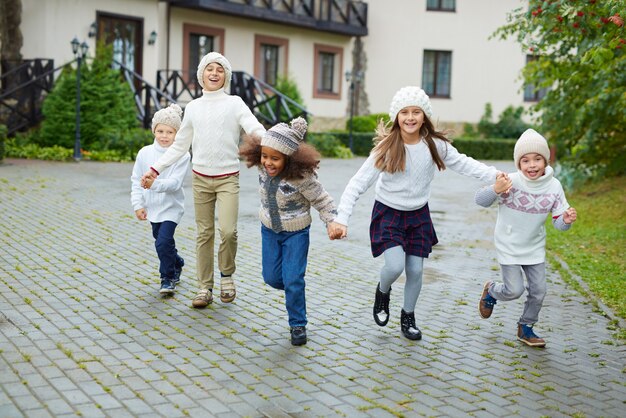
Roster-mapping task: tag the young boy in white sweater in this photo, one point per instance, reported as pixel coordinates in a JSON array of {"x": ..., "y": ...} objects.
[
  {"x": 212, "y": 127},
  {"x": 524, "y": 200},
  {"x": 163, "y": 203}
]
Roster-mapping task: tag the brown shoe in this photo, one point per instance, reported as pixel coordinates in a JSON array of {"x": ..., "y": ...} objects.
[
  {"x": 202, "y": 299},
  {"x": 526, "y": 335},
  {"x": 486, "y": 303},
  {"x": 227, "y": 289}
]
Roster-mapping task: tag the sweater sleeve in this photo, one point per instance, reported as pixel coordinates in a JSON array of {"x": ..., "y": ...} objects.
[
  {"x": 560, "y": 224},
  {"x": 314, "y": 192},
  {"x": 485, "y": 196},
  {"x": 181, "y": 144},
  {"x": 136, "y": 191},
  {"x": 174, "y": 180},
  {"x": 358, "y": 184},
  {"x": 467, "y": 166},
  {"x": 248, "y": 122}
]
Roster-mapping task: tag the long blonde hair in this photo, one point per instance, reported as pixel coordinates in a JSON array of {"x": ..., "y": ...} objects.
[{"x": 389, "y": 152}]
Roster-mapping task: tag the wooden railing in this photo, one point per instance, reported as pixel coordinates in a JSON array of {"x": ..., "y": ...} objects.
[
  {"x": 23, "y": 87},
  {"x": 268, "y": 104}
]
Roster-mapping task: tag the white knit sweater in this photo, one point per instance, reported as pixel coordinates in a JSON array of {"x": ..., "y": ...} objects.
[
  {"x": 409, "y": 189},
  {"x": 212, "y": 127},
  {"x": 165, "y": 200},
  {"x": 520, "y": 235}
]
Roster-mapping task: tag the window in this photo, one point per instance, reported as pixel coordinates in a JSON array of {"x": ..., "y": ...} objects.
[
  {"x": 531, "y": 93},
  {"x": 197, "y": 42},
  {"x": 269, "y": 63},
  {"x": 441, "y": 5},
  {"x": 270, "y": 58},
  {"x": 436, "y": 72},
  {"x": 327, "y": 72}
]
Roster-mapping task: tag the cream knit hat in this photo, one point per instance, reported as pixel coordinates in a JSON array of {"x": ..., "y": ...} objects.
[
  {"x": 170, "y": 116},
  {"x": 410, "y": 96},
  {"x": 283, "y": 138},
  {"x": 221, "y": 60},
  {"x": 531, "y": 141}
]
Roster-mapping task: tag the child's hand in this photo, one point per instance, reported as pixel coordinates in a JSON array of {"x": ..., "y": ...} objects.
[
  {"x": 148, "y": 178},
  {"x": 147, "y": 182},
  {"x": 570, "y": 216},
  {"x": 141, "y": 214},
  {"x": 503, "y": 183},
  {"x": 337, "y": 231}
]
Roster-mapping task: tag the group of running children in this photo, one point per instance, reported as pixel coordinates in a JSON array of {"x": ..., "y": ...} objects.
[{"x": 407, "y": 152}]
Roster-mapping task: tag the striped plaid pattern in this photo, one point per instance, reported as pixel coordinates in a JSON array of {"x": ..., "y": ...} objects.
[{"x": 413, "y": 230}]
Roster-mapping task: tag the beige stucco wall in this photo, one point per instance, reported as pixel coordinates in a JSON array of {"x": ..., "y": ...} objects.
[
  {"x": 48, "y": 27},
  {"x": 483, "y": 70},
  {"x": 239, "y": 38}
]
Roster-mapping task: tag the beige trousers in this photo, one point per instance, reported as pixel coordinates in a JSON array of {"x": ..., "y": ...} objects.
[{"x": 207, "y": 193}]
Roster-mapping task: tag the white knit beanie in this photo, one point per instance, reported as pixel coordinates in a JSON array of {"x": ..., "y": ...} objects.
[
  {"x": 410, "y": 96},
  {"x": 221, "y": 60},
  {"x": 283, "y": 138},
  {"x": 531, "y": 141},
  {"x": 170, "y": 116}
]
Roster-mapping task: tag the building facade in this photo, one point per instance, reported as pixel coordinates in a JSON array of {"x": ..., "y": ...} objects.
[{"x": 442, "y": 45}]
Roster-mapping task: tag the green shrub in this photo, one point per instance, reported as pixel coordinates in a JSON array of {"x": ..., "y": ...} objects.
[
  {"x": 366, "y": 123},
  {"x": 3, "y": 137},
  {"x": 288, "y": 86},
  {"x": 15, "y": 148},
  {"x": 486, "y": 149},
  {"x": 509, "y": 125},
  {"x": 329, "y": 145},
  {"x": 107, "y": 103}
]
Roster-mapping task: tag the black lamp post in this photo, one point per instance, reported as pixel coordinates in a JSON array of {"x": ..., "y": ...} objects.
[
  {"x": 80, "y": 52},
  {"x": 351, "y": 78}
]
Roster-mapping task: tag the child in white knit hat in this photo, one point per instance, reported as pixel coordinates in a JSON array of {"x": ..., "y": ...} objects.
[
  {"x": 211, "y": 127},
  {"x": 163, "y": 203},
  {"x": 402, "y": 165},
  {"x": 288, "y": 187},
  {"x": 524, "y": 199}
]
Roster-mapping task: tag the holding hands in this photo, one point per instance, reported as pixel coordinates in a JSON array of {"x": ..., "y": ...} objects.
[
  {"x": 503, "y": 183},
  {"x": 570, "y": 216},
  {"x": 148, "y": 178},
  {"x": 337, "y": 230}
]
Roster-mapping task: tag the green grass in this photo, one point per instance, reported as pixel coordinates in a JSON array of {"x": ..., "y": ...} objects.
[{"x": 594, "y": 247}]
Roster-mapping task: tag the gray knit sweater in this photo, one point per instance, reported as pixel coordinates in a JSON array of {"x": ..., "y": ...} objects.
[{"x": 286, "y": 204}]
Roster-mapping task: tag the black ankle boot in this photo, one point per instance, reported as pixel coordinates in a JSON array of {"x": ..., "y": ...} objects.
[
  {"x": 381, "y": 304},
  {"x": 409, "y": 329}
]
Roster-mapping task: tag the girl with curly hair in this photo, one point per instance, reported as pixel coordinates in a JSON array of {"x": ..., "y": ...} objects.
[{"x": 288, "y": 187}]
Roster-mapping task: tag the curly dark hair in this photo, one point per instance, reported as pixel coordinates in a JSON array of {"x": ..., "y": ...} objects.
[{"x": 298, "y": 165}]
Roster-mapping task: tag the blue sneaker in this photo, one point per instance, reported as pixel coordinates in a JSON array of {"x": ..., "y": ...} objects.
[
  {"x": 487, "y": 302},
  {"x": 167, "y": 288},
  {"x": 526, "y": 335},
  {"x": 177, "y": 271}
]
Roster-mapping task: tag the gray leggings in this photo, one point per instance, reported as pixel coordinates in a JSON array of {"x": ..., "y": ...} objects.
[
  {"x": 513, "y": 288},
  {"x": 396, "y": 261}
]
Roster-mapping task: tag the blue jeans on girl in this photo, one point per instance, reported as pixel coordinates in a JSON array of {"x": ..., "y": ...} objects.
[{"x": 284, "y": 265}]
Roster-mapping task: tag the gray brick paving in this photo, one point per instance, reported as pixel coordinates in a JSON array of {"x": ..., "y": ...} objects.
[{"x": 84, "y": 332}]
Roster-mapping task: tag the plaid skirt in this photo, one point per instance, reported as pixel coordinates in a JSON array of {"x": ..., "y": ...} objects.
[{"x": 413, "y": 230}]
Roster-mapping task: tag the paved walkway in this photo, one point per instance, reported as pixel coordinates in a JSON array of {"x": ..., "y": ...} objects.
[{"x": 84, "y": 331}]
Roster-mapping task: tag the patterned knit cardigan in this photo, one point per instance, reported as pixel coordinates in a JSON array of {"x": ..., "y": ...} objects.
[{"x": 286, "y": 205}]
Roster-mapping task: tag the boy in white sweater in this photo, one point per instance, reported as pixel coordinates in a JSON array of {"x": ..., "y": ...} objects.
[
  {"x": 524, "y": 200},
  {"x": 163, "y": 203},
  {"x": 212, "y": 127}
]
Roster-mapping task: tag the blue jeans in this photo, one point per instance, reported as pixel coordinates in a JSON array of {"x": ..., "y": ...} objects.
[
  {"x": 163, "y": 233},
  {"x": 284, "y": 265}
]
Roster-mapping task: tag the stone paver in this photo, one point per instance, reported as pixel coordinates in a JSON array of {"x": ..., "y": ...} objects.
[{"x": 84, "y": 332}]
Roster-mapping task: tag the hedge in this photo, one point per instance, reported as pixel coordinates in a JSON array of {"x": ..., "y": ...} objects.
[{"x": 478, "y": 148}]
